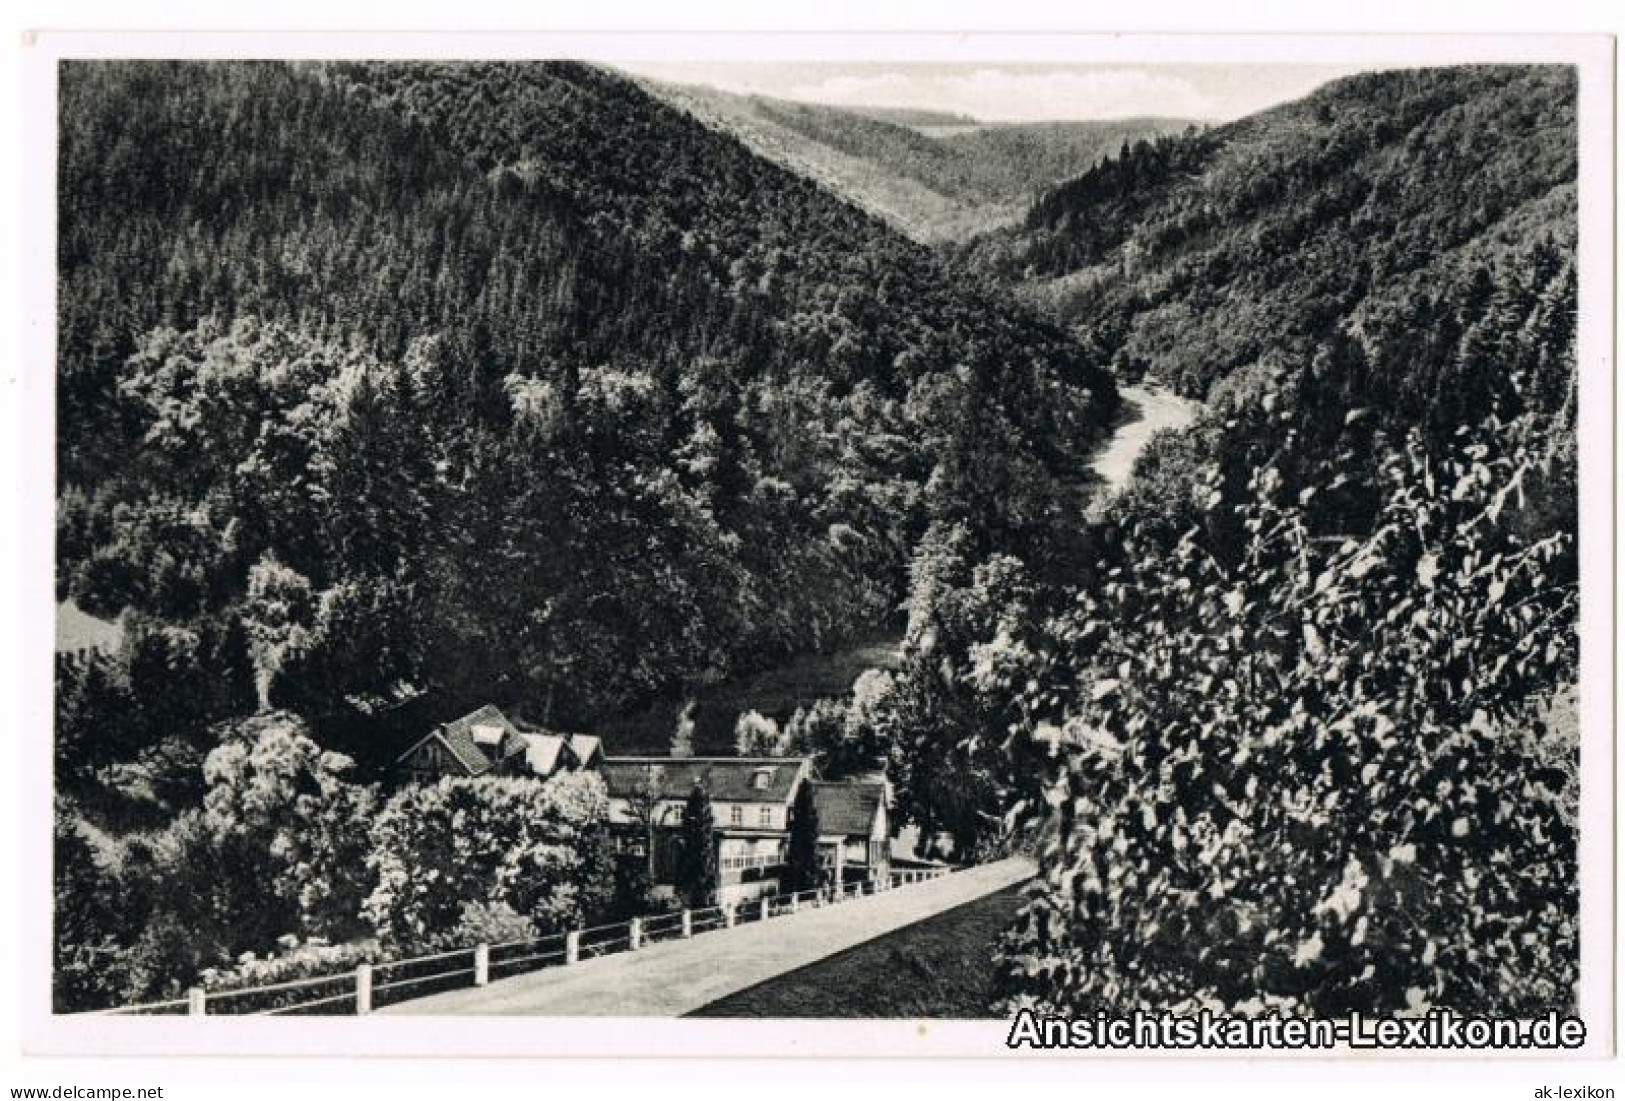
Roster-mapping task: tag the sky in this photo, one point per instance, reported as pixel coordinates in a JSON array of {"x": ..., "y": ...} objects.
[{"x": 1012, "y": 92}]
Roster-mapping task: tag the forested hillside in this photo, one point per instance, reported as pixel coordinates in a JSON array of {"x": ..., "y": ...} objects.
[
  {"x": 939, "y": 178},
  {"x": 1302, "y": 739},
  {"x": 510, "y": 377},
  {"x": 1359, "y": 209},
  {"x": 517, "y": 380},
  {"x": 503, "y": 380}
]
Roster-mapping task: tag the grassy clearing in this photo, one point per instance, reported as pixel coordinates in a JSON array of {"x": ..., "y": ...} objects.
[
  {"x": 941, "y": 968},
  {"x": 77, "y": 629}
]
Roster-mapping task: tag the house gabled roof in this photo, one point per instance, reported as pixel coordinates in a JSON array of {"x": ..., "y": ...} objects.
[
  {"x": 547, "y": 751},
  {"x": 459, "y": 739},
  {"x": 542, "y": 752},
  {"x": 848, "y": 809},
  {"x": 725, "y": 779}
]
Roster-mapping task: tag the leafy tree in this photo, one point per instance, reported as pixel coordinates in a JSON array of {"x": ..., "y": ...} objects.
[
  {"x": 1309, "y": 784},
  {"x": 682, "y": 738},
  {"x": 527, "y": 844},
  {"x": 644, "y": 804},
  {"x": 201, "y": 893},
  {"x": 817, "y": 730},
  {"x": 279, "y": 614},
  {"x": 755, "y": 735},
  {"x": 269, "y": 782},
  {"x": 632, "y": 888},
  {"x": 94, "y": 710},
  {"x": 87, "y": 959},
  {"x": 277, "y": 849}
]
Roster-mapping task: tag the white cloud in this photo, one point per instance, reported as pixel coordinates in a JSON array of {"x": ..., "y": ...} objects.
[
  {"x": 1012, "y": 91},
  {"x": 1006, "y": 95}
]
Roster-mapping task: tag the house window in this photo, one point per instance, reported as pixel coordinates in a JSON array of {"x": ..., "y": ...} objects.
[
  {"x": 736, "y": 815},
  {"x": 764, "y": 816}
]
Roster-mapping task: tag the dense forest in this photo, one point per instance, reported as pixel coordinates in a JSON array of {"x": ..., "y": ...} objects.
[
  {"x": 508, "y": 381},
  {"x": 328, "y": 331},
  {"x": 1302, "y": 739},
  {"x": 1188, "y": 257},
  {"x": 938, "y": 178},
  {"x": 515, "y": 378}
]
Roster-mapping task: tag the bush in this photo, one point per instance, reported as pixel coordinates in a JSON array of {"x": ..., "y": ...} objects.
[
  {"x": 290, "y": 800},
  {"x": 535, "y": 847},
  {"x": 488, "y": 923},
  {"x": 311, "y": 960},
  {"x": 1300, "y": 785}
]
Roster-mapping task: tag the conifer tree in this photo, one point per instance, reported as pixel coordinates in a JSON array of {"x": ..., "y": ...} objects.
[
  {"x": 802, "y": 872},
  {"x": 697, "y": 851}
]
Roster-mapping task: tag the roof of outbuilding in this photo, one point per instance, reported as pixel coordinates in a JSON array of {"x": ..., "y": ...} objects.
[
  {"x": 848, "y": 808},
  {"x": 725, "y": 779},
  {"x": 475, "y": 758},
  {"x": 542, "y": 752}
]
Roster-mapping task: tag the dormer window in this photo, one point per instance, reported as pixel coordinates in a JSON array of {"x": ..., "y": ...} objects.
[
  {"x": 762, "y": 778},
  {"x": 487, "y": 734}
]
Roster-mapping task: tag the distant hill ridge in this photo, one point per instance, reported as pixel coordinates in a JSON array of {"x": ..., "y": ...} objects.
[
  {"x": 1190, "y": 256},
  {"x": 938, "y": 177}
]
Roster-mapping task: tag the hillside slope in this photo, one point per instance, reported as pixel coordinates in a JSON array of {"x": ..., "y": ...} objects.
[
  {"x": 1190, "y": 257},
  {"x": 1301, "y": 738},
  {"x": 323, "y": 324},
  {"x": 938, "y": 178}
]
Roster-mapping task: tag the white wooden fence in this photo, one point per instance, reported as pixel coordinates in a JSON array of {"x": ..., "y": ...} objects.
[{"x": 371, "y": 985}]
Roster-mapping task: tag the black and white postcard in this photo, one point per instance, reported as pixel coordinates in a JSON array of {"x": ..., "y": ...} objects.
[{"x": 895, "y": 545}]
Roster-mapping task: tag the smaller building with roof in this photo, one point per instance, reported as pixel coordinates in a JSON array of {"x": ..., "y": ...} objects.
[
  {"x": 854, "y": 829},
  {"x": 485, "y": 742}
]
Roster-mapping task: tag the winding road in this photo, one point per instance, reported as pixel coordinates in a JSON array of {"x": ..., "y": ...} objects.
[
  {"x": 674, "y": 977},
  {"x": 1146, "y": 411}
]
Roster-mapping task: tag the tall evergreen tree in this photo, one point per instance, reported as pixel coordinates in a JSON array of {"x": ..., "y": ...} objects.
[
  {"x": 802, "y": 872},
  {"x": 697, "y": 851}
]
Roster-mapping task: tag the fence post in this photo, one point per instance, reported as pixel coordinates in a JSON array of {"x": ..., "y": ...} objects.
[
  {"x": 728, "y": 916},
  {"x": 572, "y": 946},
  {"x": 363, "y": 989},
  {"x": 196, "y": 1002},
  {"x": 767, "y": 906},
  {"x": 688, "y": 924},
  {"x": 482, "y": 964},
  {"x": 634, "y": 934},
  {"x": 795, "y": 902}
]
